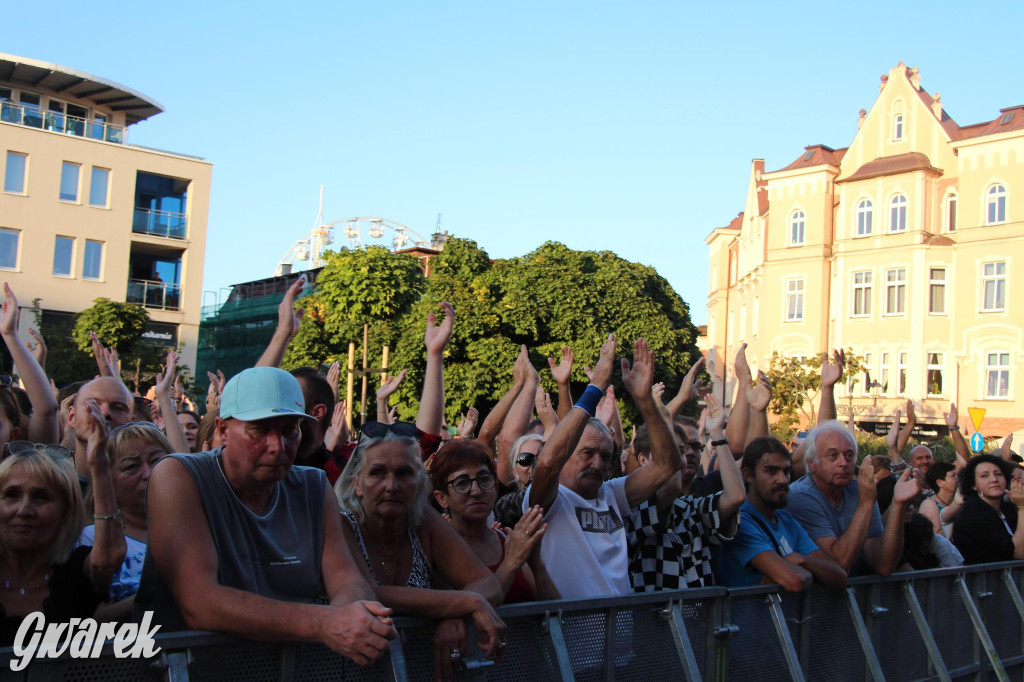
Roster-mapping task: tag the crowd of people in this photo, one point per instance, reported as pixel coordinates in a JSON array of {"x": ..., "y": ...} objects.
[{"x": 267, "y": 519}]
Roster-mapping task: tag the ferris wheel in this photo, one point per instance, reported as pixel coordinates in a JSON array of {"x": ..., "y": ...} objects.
[{"x": 308, "y": 252}]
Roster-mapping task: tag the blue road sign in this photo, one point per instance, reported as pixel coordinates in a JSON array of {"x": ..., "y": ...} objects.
[{"x": 977, "y": 442}]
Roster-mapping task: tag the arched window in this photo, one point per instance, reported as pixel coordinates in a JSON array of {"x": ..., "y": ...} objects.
[
  {"x": 865, "y": 211},
  {"x": 898, "y": 213},
  {"x": 797, "y": 221},
  {"x": 951, "y": 213},
  {"x": 995, "y": 205},
  {"x": 897, "y": 127}
]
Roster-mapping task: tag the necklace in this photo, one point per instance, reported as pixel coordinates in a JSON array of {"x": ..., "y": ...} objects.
[
  {"x": 9, "y": 585},
  {"x": 943, "y": 502}
]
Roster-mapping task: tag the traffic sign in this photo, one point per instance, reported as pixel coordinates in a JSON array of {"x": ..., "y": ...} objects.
[
  {"x": 977, "y": 442},
  {"x": 977, "y": 414}
]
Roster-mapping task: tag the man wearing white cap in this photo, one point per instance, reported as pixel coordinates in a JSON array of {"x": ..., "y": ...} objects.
[{"x": 243, "y": 542}]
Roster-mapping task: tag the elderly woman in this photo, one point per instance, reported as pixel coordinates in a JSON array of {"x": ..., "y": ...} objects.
[
  {"x": 133, "y": 450},
  {"x": 988, "y": 528},
  {"x": 464, "y": 481},
  {"x": 508, "y": 509},
  {"x": 41, "y": 514},
  {"x": 403, "y": 542}
]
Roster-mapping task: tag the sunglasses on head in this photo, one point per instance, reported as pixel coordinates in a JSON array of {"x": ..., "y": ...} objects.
[
  {"x": 20, "y": 448},
  {"x": 6, "y": 381},
  {"x": 380, "y": 429}
]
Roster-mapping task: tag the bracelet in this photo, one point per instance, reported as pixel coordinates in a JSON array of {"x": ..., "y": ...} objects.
[
  {"x": 589, "y": 400},
  {"x": 954, "y": 428},
  {"x": 106, "y": 517},
  {"x": 716, "y": 443}
]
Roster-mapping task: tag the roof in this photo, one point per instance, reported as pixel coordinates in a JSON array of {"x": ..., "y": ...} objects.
[
  {"x": 100, "y": 91},
  {"x": 1014, "y": 117},
  {"x": 736, "y": 223},
  {"x": 891, "y": 165},
  {"x": 817, "y": 155}
]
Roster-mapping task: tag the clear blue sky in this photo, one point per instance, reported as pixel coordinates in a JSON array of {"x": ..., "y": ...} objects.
[{"x": 603, "y": 125}]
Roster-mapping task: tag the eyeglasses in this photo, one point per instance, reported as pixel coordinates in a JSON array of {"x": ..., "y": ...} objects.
[
  {"x": 380, "y": 429},
  {"x": 463, "y": 484},
  {"x": 20, "y": 448},
  {"x": 526, "y": 459}
]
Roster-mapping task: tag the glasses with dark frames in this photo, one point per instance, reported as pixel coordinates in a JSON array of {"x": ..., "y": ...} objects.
[{"x": 463, "y": 484}]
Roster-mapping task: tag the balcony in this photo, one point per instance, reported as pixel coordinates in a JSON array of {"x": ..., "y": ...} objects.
[
  {"x": 34, "y": 117},
  {"x": 159, "y": 295},
  {"x": 160, "y": 223}
]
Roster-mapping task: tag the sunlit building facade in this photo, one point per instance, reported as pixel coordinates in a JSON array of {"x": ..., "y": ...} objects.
[
  {"x": 85, "y": 214},
  {"x": 902, "y": 246}
]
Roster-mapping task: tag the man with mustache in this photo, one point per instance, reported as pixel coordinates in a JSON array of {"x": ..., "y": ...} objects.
[
  {"x": 585, "y": 543},
  {"x": 771, "y": 546}
]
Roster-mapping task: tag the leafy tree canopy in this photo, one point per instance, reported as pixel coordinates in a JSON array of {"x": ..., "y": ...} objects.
[
  {"x": 796, "y": 383},
  {"x": 118, "y": 325}
]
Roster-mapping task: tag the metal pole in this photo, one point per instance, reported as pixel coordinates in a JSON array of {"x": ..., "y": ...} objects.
[
  {"x": 351, "y": 375},
  {"x": 384, "y": 364},
  {"x": 362, "y": 404}
]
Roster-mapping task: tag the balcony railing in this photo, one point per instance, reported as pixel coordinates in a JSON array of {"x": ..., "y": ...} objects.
[
  {"x": 34, "y": 117},
  {"x": 160, "y": 223},
  {"x": 152, "y": 294}
]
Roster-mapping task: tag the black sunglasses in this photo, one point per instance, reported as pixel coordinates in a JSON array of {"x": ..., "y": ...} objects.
[
  {"x": 380, "y": 429},
  {"x": 526, "y": 459},
  {"x": 463, "y": 484},
  {"x": 20, "y": 448}
]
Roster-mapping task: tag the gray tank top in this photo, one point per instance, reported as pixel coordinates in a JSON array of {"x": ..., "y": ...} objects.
[{"x": 277, "y": 554}]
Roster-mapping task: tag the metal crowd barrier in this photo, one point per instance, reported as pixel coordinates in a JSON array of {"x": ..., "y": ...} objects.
[{"x": 943, "y": 624}]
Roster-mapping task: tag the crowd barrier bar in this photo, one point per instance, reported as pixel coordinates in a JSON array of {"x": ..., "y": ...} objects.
[{"x": 943, "y": 625}]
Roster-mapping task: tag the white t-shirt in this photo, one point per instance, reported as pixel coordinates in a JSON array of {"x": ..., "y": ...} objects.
[
  {"x": 584, "y": 548},
  {"x": 125, "y": 581}
]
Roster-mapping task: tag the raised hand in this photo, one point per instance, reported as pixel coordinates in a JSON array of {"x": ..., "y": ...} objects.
[
  {"x": 334, "y": 378},
  {"x": 658, "y": 390},
  {"x": 638, "y": 378},
  {"x": 467, "y": 425},
  {"x": 714, "y": 421},
  {"x": 337, "y": 432},
  {"x": 951, "y": 417},
  {"x": 168, "y": 377},
  {"x": 526, "y": 535},
  {"x": 760, "y": 394},
  {"x": 545, "y": 412},
  {"x": 911, "y": 416},
  {"x": 1004, "y": 450},
  {"x": 907, "y": 487},
  {"x": 866, "y": 488},
  {"x": 96, "y": 430},
  {"x": 892, "y": 436},
  {"x": 742, "y": 369},
  {"x": 832, "y": 372},
  {"x": 691, "y": 385},
  {"x": 606, "y": 407},
  {"x": 1017, "y": 493},
  {"x": 436, "y": 337},
  {"x": 38, "y": 349},
  {"x": 562, "y": 372},
  {"x": 106, "y": 360},
  {"x": 288, "y": 318},
  {"x": 601, "y": 375},
  {"x": 391, "y": 385}
]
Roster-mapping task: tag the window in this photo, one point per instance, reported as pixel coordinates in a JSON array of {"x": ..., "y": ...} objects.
[
  {"x": 901, "y": 369},
  {"x": 897, "y": 127},
  {"x": 861, "y": 294},
  {"x": 898, "y": 214},
  {"x": 63, "y": 255},
  {"x": 14, "y": 172},
  {"x": 9, "y": 249},
  {"x": 995, "y": 205},
  {"x": 937, "y": 291},
  {"x": 865, "y": 211},
  {"x": 993, "y": 282},
  {"x": 866, "y": 385},
  {"x": 794, "y": 300},
  {"x": 92, "y": 263},
  {"x": 997, "y": 375},
  {"x": 895, "y": 291},
  {"x": 883, "y": 373},
  {"x": 935, "y": 374},
  {"x": 796, "y": 228},
  {"x": 951, "y": 213},
  {"x": 98, "y": 184},
  {"x": 69, "y": 173}
]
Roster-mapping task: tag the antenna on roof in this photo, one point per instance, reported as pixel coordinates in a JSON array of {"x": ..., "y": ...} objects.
[{"x": 438, "y": 228}]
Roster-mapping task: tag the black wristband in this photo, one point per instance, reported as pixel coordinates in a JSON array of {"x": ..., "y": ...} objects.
[{"x": 716, "y": 443}]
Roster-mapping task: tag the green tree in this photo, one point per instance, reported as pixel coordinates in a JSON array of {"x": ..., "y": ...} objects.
[
  {"x": 796, "y": 383},
  {"x": 117, "y": 325}
]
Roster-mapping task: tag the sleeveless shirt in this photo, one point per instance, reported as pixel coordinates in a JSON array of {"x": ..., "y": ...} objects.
[
  {"x": 520, "y": 590},
  {"x": 277, "y": 554},
  {"x": 419, "y": 575}
]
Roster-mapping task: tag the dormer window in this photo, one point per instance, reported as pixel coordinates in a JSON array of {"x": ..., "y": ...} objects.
[{"x": 897, "y": 127}]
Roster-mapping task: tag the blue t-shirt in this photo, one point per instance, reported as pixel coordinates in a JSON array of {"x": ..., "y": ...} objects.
[
  {"x": 734, "y": 567},
  {"x": 821, "y": 519}
]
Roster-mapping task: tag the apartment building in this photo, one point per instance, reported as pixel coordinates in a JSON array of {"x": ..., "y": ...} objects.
[
  {"x": 902, "y": 246},
  {"x": 86, "y": 214}
]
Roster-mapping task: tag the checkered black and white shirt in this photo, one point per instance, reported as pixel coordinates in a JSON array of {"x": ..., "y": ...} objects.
[{"x": 676, "y": 552}]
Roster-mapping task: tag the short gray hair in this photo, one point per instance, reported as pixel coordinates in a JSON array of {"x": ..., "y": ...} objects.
[
  {"x": 830, "y": 426},
  {"x": 345, "y": 488},
  {"x": 514, "y": 452}
]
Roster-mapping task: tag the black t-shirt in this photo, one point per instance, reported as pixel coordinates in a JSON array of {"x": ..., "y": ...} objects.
[{"x": 885, "y": 489}]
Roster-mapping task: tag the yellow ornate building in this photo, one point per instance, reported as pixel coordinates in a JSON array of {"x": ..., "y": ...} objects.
[
  {"x": 902, "y": 246},
  {"x": 85, "y": 214}
]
